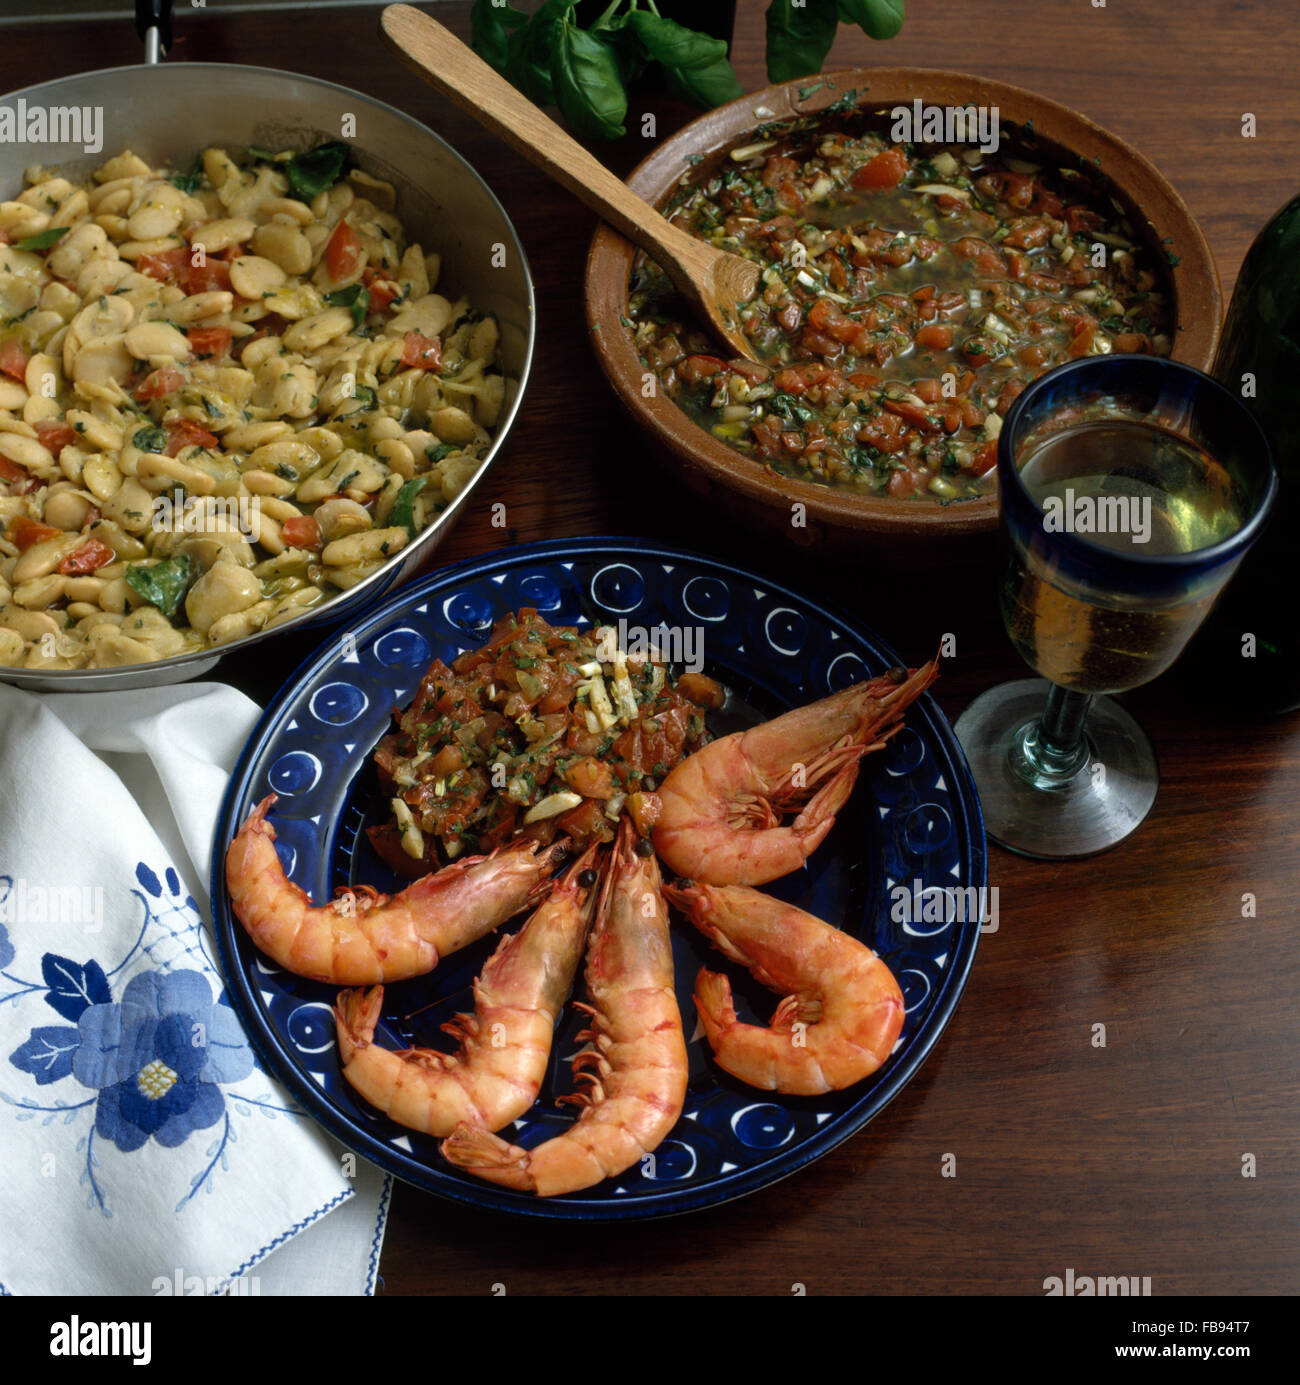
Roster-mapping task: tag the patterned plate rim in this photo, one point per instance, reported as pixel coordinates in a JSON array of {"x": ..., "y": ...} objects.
[{"x": 280, "y": 1062}]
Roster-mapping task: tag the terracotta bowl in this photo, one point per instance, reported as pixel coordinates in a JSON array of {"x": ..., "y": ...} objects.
[{"x": 871, "y": 528}]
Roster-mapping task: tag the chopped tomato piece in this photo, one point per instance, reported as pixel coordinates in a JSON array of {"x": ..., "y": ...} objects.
[
  {"x": 913, "y": 413},
  {"x": 767, "y": 436},
  {"x": 11, "y": 471},
  {"x": 184, "y": 432},
  {"x": 696, "y": 368},
  {"x": 167, "y": 266},
  {"x": 1084, "y": 331},
  {"x": 644, "y": 810},
  {"x": 301, "y": 531},
  {"x": 985, "y": 459},
  {"x": 55, "y": 434},
  {"x": 778, "y": 169},
  {"x": 797, "y": 379},
  {"x": 986, "y": 258},
  {"x": 25, "y": 532},
  {"x": 425, "y": 353},
  {"x": 382, "y": 291},
  {"x": 342, "y": 253},
  {"x": 886, "y": 170},
  {"x": 902, "y": 482},
  {"x": 929, "y": 390},
  {"x": 205, "y": 278},
  {"x": 585, "y": 821},
  {"x": 159, "y": 383},
  {"x": 884, "y": 432},
  {"x": 1081, "y": 219},
  {"x": 13, "y": 359},
  {"x": 935, "y": 336},
  {"x": 210, "y": 341},
  {"x": 820, "y": 344},
  {"x": 699, "y": 687},
  {"x": 591, "y": 778},
  {"x": 90, "y": 557}
]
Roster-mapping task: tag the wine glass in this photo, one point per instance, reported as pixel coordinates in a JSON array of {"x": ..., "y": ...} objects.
[{"x": 1131, "y": 488}]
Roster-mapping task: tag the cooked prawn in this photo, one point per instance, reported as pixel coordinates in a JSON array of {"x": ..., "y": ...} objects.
[
  {"x": 635, "y": 1063},
  {"x": 497, "y": 1071},
  {"x": 722, "y": 806},
  {"x": 842, "y": 1009},
  {"x": 362, "y": 936}
]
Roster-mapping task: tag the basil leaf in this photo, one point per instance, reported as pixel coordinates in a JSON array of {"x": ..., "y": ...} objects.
[
  {"x": 621, "y": 38},
  {"x": 705, "y": 87},
  {"x": 356, "y": 298},
  {"x": 403, "y": 511},
  {"x": 150, "y": 440},
  {"x": 799, "y": 37},
  {"x": 489, "y": 29},
  {"x": 790, "y": 408},
  {"x": 673, "y": 44},
  {"x": 436, "y": 451},
  {"x": 587, "y": 83},
  {"x": 528, "y": 55},
  {"x": 317, "y": 170},
  {"x": 695, "y": 66},
  {"x": 43, "y": 240},
  {"x": 164, "y": 584},
  {"x": 878, "y": 18},
  {"x": 187, "y": 182}
]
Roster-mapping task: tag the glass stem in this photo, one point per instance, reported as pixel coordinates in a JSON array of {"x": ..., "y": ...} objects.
[{"x": 1051, "y": 751}]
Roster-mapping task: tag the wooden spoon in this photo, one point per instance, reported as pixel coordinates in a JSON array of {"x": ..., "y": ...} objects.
[{"x": 715, "y": 282}]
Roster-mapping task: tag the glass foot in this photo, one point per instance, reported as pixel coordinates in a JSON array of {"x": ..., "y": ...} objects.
[{"x": 1081, "y": 813}]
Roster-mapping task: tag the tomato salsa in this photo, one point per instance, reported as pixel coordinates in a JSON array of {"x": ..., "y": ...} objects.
[{"x": 909, "y": 293}]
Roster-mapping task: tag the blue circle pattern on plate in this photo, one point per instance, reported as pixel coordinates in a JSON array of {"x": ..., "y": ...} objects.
[{"x": 912, "y": 832}]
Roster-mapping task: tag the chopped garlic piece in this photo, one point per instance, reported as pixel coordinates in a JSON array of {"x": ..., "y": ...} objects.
[
  {"x": 552, "y": 805},
  {"x": 412, "y": 837}
]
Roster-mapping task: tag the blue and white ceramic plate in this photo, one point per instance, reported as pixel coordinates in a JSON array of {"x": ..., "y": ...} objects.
[{"x": 913, "y": 824}]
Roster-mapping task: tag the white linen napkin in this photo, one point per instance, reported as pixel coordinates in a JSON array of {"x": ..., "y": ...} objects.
[{"x": 145, "y": 1151}]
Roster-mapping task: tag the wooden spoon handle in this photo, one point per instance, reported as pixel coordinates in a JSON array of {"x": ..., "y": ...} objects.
[{"x": 463, "y": 77}]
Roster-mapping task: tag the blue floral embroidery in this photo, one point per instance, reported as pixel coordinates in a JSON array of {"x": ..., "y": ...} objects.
[{"x": 156, "y": 1059}]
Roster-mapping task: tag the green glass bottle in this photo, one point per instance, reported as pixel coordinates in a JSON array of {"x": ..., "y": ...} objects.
[{"x": 1252, "y": 640}]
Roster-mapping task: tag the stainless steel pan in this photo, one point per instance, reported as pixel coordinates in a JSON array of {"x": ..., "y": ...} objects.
[{"x": 167, "y": 114}]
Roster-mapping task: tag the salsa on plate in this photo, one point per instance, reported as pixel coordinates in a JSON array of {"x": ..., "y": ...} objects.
[
  {"x": 909, "y": 293},
  {"x": 544, "y": 731}
]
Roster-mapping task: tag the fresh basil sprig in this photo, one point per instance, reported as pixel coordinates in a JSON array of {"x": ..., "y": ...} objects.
[
  {"x": 553, "y": 60},
  {"x": 587, "y": 82}
]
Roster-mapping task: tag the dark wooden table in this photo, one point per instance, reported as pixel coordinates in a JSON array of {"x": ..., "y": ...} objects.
[{"x": 1118, "y": 1160}]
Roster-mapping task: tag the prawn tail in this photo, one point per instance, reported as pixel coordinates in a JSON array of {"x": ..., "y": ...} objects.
[
  {"x": 355, "y": 1015},
  {"x": 489, "y": 1156}
]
